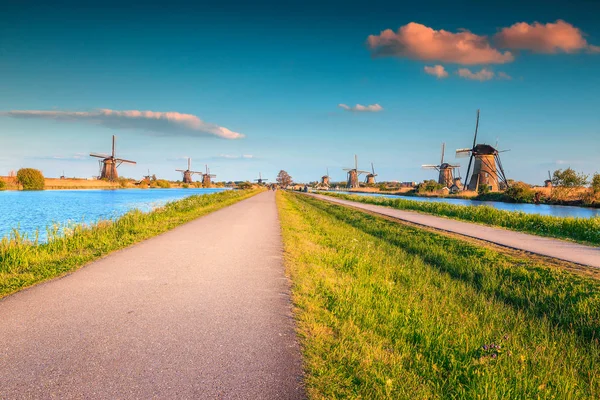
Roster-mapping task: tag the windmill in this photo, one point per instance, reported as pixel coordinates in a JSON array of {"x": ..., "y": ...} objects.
[
  {"x": 187, "y": 174},
  {"x": 109, "y": 164},
  {"x": 487, "y": 169},
  {"x": 371, "y": 176},
  {"x": 446, "y": 170},
  {"x": 325, "y": 179},
  {"x": 353, "y": 174},
  {"x": 260, "y": 179},
  {"x": 207, "y": 177},
  {"x": 548, "y": 182}
]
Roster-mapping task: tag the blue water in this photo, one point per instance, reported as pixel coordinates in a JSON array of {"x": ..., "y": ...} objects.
[
  {"x": 542, "y": 209},
  {"x": 31, "y": 211}
]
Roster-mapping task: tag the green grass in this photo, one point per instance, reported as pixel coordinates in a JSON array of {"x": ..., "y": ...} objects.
[
  {"x": 24, "y": 262},
  {"x": 583, "y": 230},
  {"x": 387, "y": 310}
]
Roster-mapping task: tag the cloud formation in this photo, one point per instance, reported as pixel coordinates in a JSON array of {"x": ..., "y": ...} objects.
[
  {"x": 437, "y": 70},
  {"x": 236, "y": 157},
  {"x": 170, "y": 123},
  {"x": 483, "y": 75},
  {"x": 420, "y": 42},
  {"x": 504, "y": 75},
  {"x": 549, "y": 38},
  {"x": 360, "y": 108}
]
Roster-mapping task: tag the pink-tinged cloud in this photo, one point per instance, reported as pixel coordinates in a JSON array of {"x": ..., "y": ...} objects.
[
  {"x": 420, "y": 42},
  {"x": 361, "y": 108},
  {"x": 504, "y": 75},
  {"x": 437, "y": 70},
  {"x": 170, "y": 123},
  {"x": 483, "y": 75},
  {"x": 549, "y": 38}
]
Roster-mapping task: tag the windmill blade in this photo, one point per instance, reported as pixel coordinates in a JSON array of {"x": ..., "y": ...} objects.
[
  {"x": 454, "y": 165},
  {"x": 355, "y": 162},
  {"x": 443, "y": 151},
  {"x": 125, "y": 161},
  {"x": 347, "y": 169},
  {"x": 196, "y": 172},
  {"x": 466, "y": 184},
  {"x": 362, "y": 172},
  {"x": 114, "y": 139},
  {"x": 212, "y": 175},
  {"x": 372, "y": 168},
  {"x": 180, "y": 170},
  {"x": 429, "y": 166},
  {"x": 503, "y": 151},
  {"x": 461, "y": 153},
  {"x": 99, "y": 155},
  {"x": 476, "y": 130}
]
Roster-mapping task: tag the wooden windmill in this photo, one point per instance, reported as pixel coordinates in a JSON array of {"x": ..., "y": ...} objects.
[
  {"x": 325, "y": 179},
  {"x": 446, "y": 170},
  {"x": 487, "y": 169},
  {"x": 187, "y": 174},
  {"x": 260, "y": 179},
  {"x": 109, "y": 164},
  {"x": 370, "y": 179},
  {"x": 206, "y": 178},
  {"x": 353, "y": 174}
]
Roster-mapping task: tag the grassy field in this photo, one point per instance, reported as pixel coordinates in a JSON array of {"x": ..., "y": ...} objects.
[
  {"x": 583, "y": 230},
  {"x": 24, "y": 263},
  {"x": 387, "y": 310}
]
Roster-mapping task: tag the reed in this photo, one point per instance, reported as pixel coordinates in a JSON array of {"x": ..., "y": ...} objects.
[
  {"x": 385, "y": 310},
  {"x": 25, "y": 261},
  {"x": 584, "y": 230}
]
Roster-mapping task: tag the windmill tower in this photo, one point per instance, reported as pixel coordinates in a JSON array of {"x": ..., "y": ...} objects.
[
  {"x": 260, "y": 179},
  {"x": 109, "y": 164},
  {"x": 487, "y": 169},
  {"x": 446, "y": 170},
  {"x": 325, "y": 179},
  {"x": 206, "y": 178},
  {"x": 370, "y": 179},
  {"x": 187, "y": 174},
  {"x": 548, "y": 182},
  {"x": 353, "y": 174}
]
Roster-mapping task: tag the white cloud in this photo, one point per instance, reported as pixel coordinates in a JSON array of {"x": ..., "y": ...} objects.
[
  {"x": 171, "y": 123},
  {"x": 437, "y": 70},
  {"x": 360, "y": 108},
  {"x": 483, "y": 75}
]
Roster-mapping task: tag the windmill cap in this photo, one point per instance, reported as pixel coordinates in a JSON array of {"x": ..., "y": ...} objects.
[{"x": 485, "y": 149}]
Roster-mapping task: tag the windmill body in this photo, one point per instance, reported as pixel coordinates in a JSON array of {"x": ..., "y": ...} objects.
[
  {"x": 446, "y": 170},
  {"x": 188, "y": 173},
  {"x": 487, "y": 166},
  {"x": 325, "y": 181},
  {"x": 260, "y": 179},
  {"x": 353, "y": 174},
  {"x": 207, "y": 177},
  {"x": 110, "y": 163},
  {"x": 370, "y": 179}
]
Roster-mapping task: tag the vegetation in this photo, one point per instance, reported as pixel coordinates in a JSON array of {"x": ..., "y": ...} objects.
[
  {"x": 596, "y": 184},
  {"x": 569, "y": 178},
  {"x": 24, "y": 262},
  {"x": 520, "y": 192},
  {"x": 585, "y": 230},
  {"x": 386, "y": 310},
  {"x": 244, "y": 185},
  {"x": 284, "y": 179},
  {"x": 428, "y": 186},
  {"x": 2, "y": 185},
  {"x": 31, "y": 179}
]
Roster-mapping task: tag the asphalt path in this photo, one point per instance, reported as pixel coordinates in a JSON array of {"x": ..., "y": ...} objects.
[
  {"x": 555, "y": 248},
  {"x": 200, "y": 312}
]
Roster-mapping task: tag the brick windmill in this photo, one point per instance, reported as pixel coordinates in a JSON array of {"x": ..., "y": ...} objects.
[
  {"x": 206, "y": 178},
  {"x": 187, "y": 174},
  {"x": 487, "y": 169},
  {"x": 370, "y": 179},
  {"x": 353, "y": 174},
  {"x": 446, "y": 170},
  {"x": 325, "y": 179},
  {"x": 109, "y": 164}
]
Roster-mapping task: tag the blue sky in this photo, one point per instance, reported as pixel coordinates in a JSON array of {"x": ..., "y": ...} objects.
[{"x": 276, "y": 73}]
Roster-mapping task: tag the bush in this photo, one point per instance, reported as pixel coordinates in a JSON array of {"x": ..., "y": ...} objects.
[
  {"x": 163, "y": 183},
  {"x": 185, "y": 186},
  {"x": 31, "y": 179},
  {"x": 2, "y": 185},
  {"x": 123, "y": 182},
  {"x": 520, "y": 192},
  {"x": 429, "y": 186},
  {"x": 244, "y": 185},
  {"x": 596, "y": 183}
]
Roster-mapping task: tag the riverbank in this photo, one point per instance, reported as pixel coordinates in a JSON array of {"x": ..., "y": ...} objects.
[
  {"x": 386, "y": 310},
  {"x": 24, "y": 263},
  {"x": 583, "y": 230}
]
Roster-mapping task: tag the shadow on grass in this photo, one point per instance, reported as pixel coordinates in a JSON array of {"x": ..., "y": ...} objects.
[{"x": 567, "y": 301}]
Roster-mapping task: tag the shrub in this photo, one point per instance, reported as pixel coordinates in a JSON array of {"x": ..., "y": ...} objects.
[
  {"x": 123, "y": 182},
  {"x": 2, "y": 185},
  {"x": 31, "y": 179},
  {"x": 429, "y": 186},
  {"x": 163, "y": 183},
  {"x": 244, "y": 185},
  {"x": 520, "y": 192},
  {"x": 596, "y": 183},
  {"x": 185, "y": 186}
]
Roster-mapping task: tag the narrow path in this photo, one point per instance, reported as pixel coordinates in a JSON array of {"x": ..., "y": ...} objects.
[
  {"x": 201, "y": 312},
  {"x": 555, "y": 248}
]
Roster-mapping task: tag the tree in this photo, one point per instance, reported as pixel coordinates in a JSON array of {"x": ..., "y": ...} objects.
[
  {"x": 569, "y": 178},
  {"x": 284, "y": 179},
  {"x": 596, "y": 183},
  {"x": 31, "y": 179}
]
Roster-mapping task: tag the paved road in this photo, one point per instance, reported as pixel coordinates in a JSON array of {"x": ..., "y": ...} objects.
[
  {"x": 562, "y": 250},
  {"x": 201, "y": 312}
]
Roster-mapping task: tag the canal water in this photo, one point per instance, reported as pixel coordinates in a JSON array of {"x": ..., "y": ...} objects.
[
  {"x": 542, "y": 209},
  {"x": 29, "y": 211}
]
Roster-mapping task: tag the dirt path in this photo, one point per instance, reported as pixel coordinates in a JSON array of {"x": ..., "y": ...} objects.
[
  {"x": 202, "y": 311},
  {"x": 555, "y": 248}
]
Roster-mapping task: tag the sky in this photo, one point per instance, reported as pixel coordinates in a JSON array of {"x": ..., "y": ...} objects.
[{"x": 299, "y": 86}]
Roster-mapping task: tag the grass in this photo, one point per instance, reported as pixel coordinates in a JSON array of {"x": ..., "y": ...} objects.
[
  {"x": 583, "y": 230},
  {"x": 24, "y": 262},
  {"x": 387, "y": 310}
]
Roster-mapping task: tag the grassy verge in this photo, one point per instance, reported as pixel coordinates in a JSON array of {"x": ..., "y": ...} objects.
[
  {"x": 387, "y": 310},
  {"x": 583, "y": 230},
  {"x": 23, "y": 263}
]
